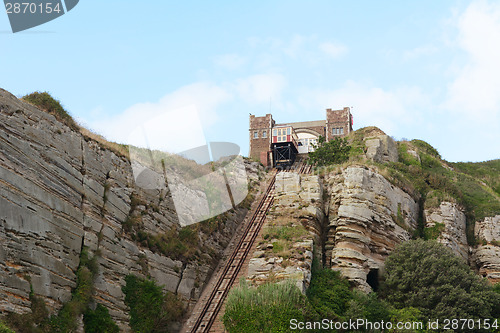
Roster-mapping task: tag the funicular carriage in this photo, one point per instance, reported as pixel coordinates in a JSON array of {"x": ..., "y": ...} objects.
[{"x": 284, "y": 146}]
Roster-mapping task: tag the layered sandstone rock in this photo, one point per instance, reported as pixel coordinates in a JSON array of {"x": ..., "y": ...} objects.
[
  {"x": 291, "y": 232},
  {"x": 486, "y": 256},
  {"x": 453, "y": 222},
  {"x": 60, "y": 191},
  {"x": 368, "y": 218}
]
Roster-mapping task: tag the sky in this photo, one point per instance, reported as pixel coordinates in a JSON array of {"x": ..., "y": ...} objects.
[{"x": 190, "y": 72}]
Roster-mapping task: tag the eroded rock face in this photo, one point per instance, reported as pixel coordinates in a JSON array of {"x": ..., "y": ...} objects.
[
  {"x": 453, "y": 235},
  {"x": 486, "y": 256},
  {"x": 288, "y": 254},
  {"x": 381, "y": 148},
  {"x": 368, "y": 217},
  {"x": 60, "y": 191}
]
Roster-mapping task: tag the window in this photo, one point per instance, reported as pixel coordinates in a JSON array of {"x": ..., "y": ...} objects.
[
  {"x": 275, "y": 132},
  {"x": 288, "y": 131},
  {"x": 255, "y": 135},
  {"x": 264, "y": 134},
  {"x": 338, "y": 131}
]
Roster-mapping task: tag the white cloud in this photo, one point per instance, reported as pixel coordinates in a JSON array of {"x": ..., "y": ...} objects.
[
  {"x": 387, "y": 109},
  {"x": 295, "y": 47},
  {"x": 333, "y": 50},
  {"x": 475, "y": 91},
  {"x": 174, "y": 123},
  {"x": 260, "y": 88},
  {"x": 304, "y": 50},
  {"x": 472, "y": 102}
]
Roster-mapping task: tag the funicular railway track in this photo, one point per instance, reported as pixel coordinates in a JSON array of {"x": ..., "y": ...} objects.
[
  {"x": 305, "y": 168},
  {"x": 233, "y": 265},
  {"x": 300, "y": 166}
]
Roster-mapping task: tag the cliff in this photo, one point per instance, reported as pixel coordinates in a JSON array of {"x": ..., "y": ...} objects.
[
  {"x": 61, "y": 191},
  {"x": 352, "y": 216}
]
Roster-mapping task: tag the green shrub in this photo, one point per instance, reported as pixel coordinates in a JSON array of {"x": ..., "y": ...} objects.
[
  {"x": 4, "y": 328},
  {"x": 404, "y": 156},
  {"x": 496, "y": 287},
  {"x": 99, "y": 321},
  {"x": 38, "y": 321},
  {"x": 268, "y": 308},
  {"x": 65, "y": 320},
  {"x": 46, "y": 102},
  {"x": 369, "y": 307},
  {"x": 329, "y": 293},
  {"x": 427, "y": 275},
  {"x": 332, "y": 152},
  {"x": 150, "y": 309},
  {"x": 434, "y": 232}
]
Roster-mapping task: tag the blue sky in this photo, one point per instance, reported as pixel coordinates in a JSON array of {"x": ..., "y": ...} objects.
[{"x": 420, "y": 69}]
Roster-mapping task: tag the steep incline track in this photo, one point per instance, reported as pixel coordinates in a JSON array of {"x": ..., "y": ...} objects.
[{"x": 233, "y": 265}]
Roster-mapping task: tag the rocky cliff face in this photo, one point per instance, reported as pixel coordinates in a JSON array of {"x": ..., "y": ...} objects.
[
  {"x": 381, "y": 148},
  {"x": 449, "y": 220},
  {"x": 368, "y": 217},
  {"x": 486, "y": 256},
  {"x": 61, "y": 191},
  {"x": 291, "y": 232},
  {"x": 355, "y": 218}
]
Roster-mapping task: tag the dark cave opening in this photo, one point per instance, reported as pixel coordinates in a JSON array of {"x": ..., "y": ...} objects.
[{"x": 372, "y": 279}]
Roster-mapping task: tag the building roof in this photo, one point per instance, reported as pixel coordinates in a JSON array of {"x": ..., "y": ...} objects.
[{"x": 303, "y": 124}]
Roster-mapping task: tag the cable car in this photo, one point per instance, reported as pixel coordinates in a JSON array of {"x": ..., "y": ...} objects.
[{"x": 284, "y": 146}]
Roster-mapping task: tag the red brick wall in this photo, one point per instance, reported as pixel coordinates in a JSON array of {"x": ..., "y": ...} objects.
[
  {"x": 260, "y": 144},
  {"x": 339, "y": 119}
]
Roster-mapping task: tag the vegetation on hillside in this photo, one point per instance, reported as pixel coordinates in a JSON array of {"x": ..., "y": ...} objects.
[
  {"x": 266, "y": 309},
  {"x": 421, "y": 172},
  {"x": 428, "y": 276},
  {"x": 423, "y": 281},
  {"x": 4, "y": 328},
  {"x": 435, "y": 181},
  {"x": 151, "y": 310},
  {"x": 65, "y": 320},
  {"x": 99, "y": 321},
  {"x": 488, "y": 172},
  {"x": 46, "y": 102},
  {"x": 330, "y": 152}
]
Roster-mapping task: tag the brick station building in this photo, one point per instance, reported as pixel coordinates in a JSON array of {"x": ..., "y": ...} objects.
[{"x": 338, "y": 123}]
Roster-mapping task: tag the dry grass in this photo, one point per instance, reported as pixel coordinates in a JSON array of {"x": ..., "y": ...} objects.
[{"x": 119, "y": 149}]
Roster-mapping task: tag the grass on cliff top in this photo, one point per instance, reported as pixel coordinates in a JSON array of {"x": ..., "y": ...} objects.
[
  {"x": 45, "y": 102},
  {"x": 472, "y": 185}
]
